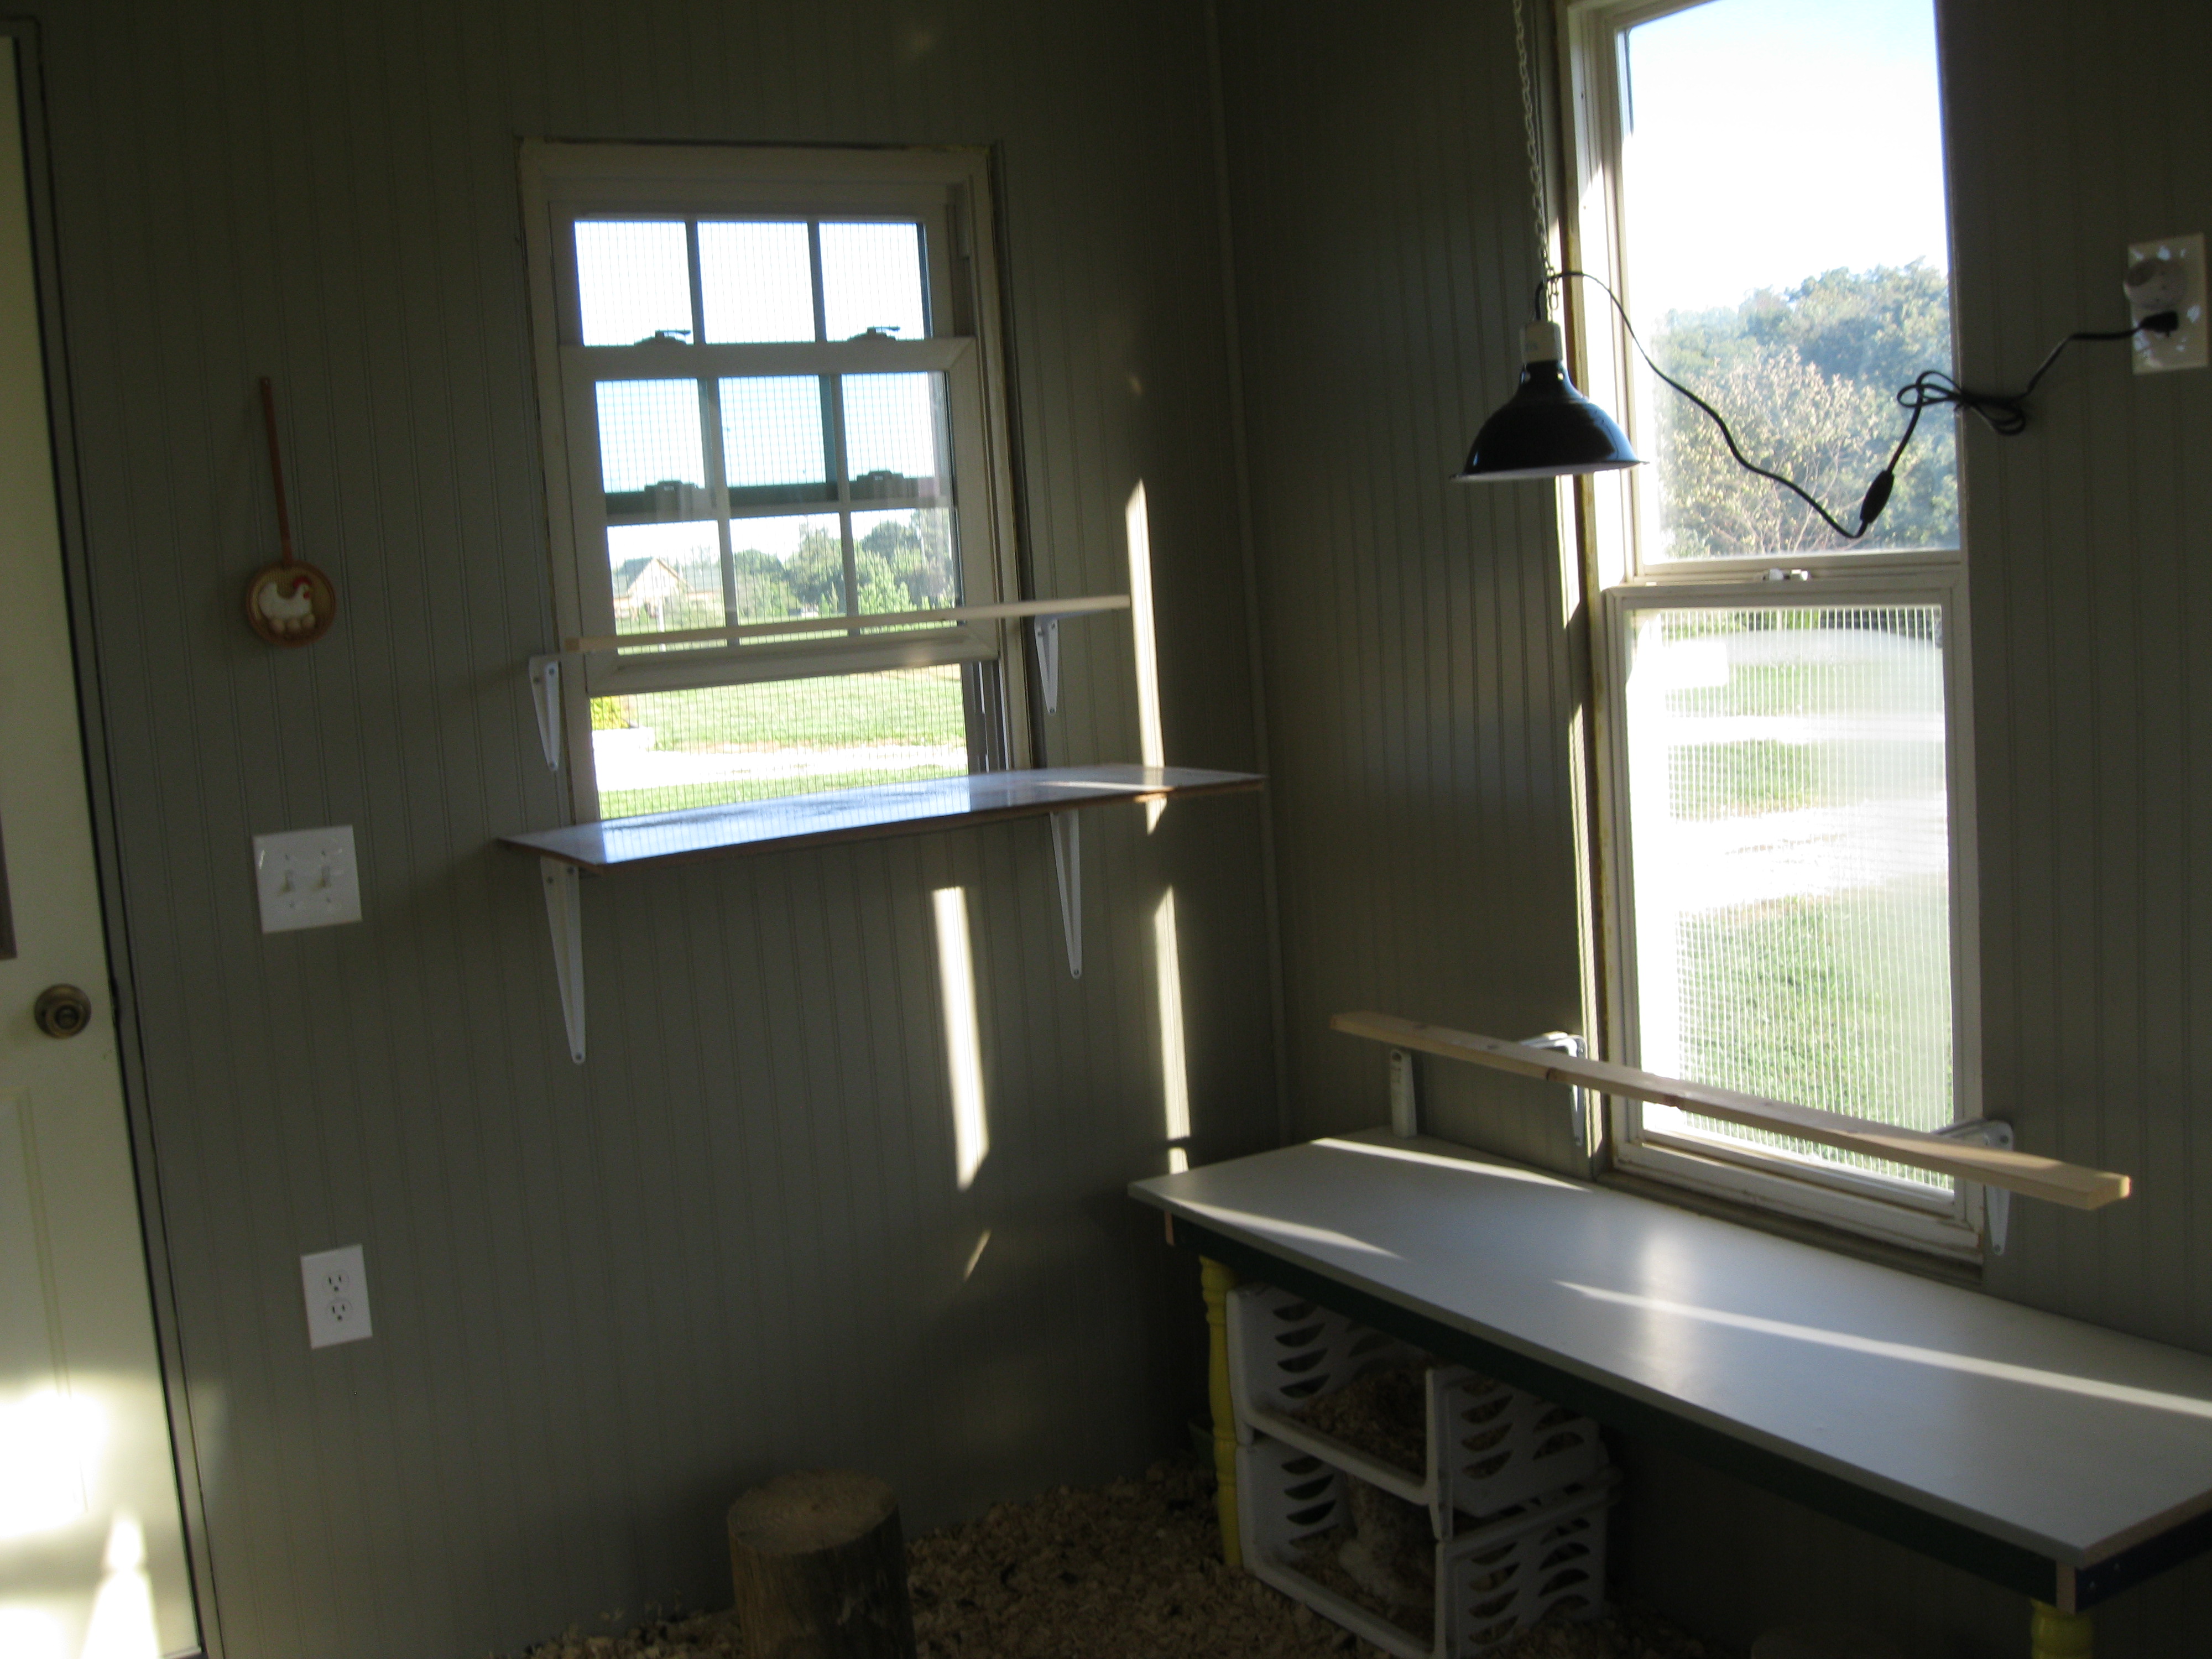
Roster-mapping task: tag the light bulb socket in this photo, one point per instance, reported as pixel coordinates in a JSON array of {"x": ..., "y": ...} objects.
[{"x": 1541, "y": 342}]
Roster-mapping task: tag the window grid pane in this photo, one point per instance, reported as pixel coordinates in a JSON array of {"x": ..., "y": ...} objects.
[
  {"x": 772, "y": 432},
  {"x": 906, "y": 561},
  {"x": 662, "y": 750},
  {"x": 633, "y": 281},
  {"x": 666, "y": 576},
  {"x": 1790, "y": 837},
  {"x": 756, "y": 282},
  {"x": 649, "y": 435},
  {"x": 871, "y": 279},
  {"x": 788, "y": 566},
  {"x": 895, "y": 438}
]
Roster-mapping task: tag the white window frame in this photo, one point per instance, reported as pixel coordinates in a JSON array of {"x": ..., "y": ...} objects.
[
  {"x": 947, "y": 192},
  {"x": 1608, "y": 512}
]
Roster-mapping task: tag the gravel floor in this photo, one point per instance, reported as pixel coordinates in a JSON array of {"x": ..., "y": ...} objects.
[{"x": 1130, "y": 1571}]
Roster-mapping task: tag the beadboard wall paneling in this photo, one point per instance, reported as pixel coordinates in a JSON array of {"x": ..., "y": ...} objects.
[
  {"x": 608, "y": 1297},
  {"x": 1422, "y": 675},
  {"x": 1420, "y": 679}
]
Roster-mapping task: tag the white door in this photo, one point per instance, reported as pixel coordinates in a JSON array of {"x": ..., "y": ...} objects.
[{"x": 92, "y": 1556}]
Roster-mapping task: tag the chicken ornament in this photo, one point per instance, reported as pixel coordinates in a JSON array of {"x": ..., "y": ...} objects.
[{"x": 290, "y": 602}]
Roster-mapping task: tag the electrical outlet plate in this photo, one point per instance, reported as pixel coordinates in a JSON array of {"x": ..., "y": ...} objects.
[
  {"x": 337, "y": 1287},
  {"x": 2186, "y": 347},
  {"x": 307, "y": 879}
]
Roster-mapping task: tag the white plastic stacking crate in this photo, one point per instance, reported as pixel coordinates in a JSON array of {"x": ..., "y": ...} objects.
[
  {"x": 1493, "y": 1446},
  {"x": 1495, "y": 1580},
  {"x": 1492, "y": 1581},
  {"x": 1285, "y": 1350},
  {"x": 1489, "y": 1446}
]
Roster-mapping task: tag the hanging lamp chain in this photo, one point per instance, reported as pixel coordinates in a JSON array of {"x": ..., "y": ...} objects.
[{"x": 1536, "y": 192}]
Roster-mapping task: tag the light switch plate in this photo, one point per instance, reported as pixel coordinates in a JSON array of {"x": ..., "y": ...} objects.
[
  {"x": 337, "y": 1285},
  {"x": 307, "y": 879}
]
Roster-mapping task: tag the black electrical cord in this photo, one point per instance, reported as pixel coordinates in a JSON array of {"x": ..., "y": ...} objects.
[{"x": 2006, "y": 412}]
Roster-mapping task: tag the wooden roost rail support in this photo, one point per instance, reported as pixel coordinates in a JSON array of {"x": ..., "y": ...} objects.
[{"x": 2073, "y": 1185}]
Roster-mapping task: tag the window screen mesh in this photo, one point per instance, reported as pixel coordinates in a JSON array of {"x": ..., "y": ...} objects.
[
  {"x": 790, "y": 566},
  {"x": 894, "y": 433},
  {"x": 633, "y": 281},
  {"x": 832, "y": 499},
  {"x": 871, "y": 279},
  {"x": 666, "y": 576},
  {"x": 905, "y": 561},
  {"x": 1790, "y": 846},
  {"x": 649, "y": 435},
  {"x": 772, "y": 432},
  {"x": 1795, "y": 282},
  {"x": 756, "y": 282},
  {"x": 666, "y": 750}
]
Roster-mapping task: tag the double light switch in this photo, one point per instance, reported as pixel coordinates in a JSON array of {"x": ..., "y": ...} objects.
[{"x": 307, "y": 879}]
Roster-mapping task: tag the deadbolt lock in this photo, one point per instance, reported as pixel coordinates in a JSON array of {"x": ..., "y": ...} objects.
[{"x": 62, "y": 1010}]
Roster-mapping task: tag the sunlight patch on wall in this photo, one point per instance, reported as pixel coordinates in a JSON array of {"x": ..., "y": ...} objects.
[
  {"x": 32, "y": 1633},
  {"x": 963, "y": 1048},
  {"x": 49, "y": 1443},
  {"x": 122, "y": 1612},
  {"x": 1150, "y": 748},
  {"x": 1175, "y": 1078}
]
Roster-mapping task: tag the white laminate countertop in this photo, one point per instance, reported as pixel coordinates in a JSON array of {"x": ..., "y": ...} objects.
[{"x": 2062, "y": 1437}]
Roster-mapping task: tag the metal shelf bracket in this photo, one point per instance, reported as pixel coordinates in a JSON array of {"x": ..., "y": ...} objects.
[
  {"x": 1067, "y": 861},
  {"x": 1996, "y": 1202},
  {"x": 1045, "y": 631},
  {"x": 564, "y": 918},
  {"x": 1567, "y": 1042},
  {"x": 546, "y": 695}
]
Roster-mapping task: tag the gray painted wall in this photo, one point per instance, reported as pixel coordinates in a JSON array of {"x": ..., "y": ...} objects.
[
  {"x": 1421, "y": 676},
  {"x": 1420, "y": 680},
  {"x": 606, "y": 1298}
]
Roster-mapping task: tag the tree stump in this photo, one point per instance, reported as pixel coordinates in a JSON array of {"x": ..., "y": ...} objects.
[{"x": 820, "y": 1569}]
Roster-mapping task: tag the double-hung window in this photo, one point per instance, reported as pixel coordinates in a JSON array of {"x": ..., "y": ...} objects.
[
  {"x": 771, "y": 391},
  {"x": 1784, "y": 780}
]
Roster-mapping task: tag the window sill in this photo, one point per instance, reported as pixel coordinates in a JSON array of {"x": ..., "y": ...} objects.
[{"x": 1946, "y": 1270}]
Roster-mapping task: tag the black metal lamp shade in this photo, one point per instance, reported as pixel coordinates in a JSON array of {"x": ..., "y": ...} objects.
[{"x": 1546, "y": 429}]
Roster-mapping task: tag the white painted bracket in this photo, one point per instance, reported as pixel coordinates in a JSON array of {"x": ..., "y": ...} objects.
[
  {"x": 1405, "y": 1103},
  {"x": 1996, "y": 1202},
  {"x": 1045, "y": 630},
  {"x": 545, "y": 694},
  {"x": 564, "y": 917},
  {"x": 1567, "y": 1042},
  {"x": 1067, "y": 860}
]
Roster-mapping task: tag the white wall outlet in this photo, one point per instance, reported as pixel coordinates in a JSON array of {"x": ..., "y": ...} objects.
[
  {"x": 307, "y": 879},
  {"x": 2168, "y": 275},
  {"x": 337, "y": 1296}
]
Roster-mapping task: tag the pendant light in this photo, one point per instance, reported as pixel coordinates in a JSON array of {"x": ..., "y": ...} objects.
[{"x": 1546, "y": 429}]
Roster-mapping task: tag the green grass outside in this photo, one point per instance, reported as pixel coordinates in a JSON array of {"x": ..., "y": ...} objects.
[
  {"x": 1842, "y": 1002},
  {"x": 1759, "y": 775},
  {"x": 918, "y": 705},
  {"x": 909, "y": 705},
  {"x": 1728, "y": 779},
  {"x": 634, "y": 803}
]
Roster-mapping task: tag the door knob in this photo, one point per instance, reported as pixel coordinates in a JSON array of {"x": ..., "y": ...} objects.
[{"x": 62, "y": 1010}]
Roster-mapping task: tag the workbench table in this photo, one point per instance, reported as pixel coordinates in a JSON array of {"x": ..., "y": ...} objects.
[{"x": 2053, "y": 1457}]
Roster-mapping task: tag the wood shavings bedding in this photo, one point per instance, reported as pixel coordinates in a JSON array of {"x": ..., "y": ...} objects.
[
  {"x": 1129, "y": 1570},
  {"x": 1385, "y": 1414}
]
